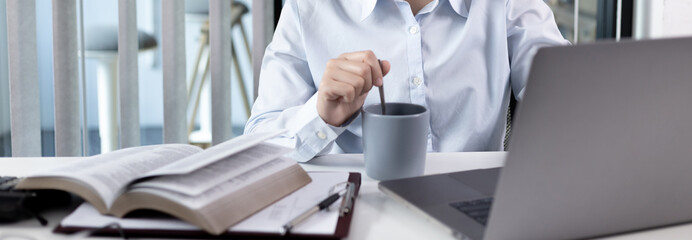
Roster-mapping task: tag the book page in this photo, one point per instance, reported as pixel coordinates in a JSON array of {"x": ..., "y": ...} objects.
[
  {"x": 214, "y": 154},
  {"x": 86, "y": 216},
  {"x": 222, "y": 189},
  {"x": 272, "y": 218},
  {"x": 207, "y": 177},
  {"x": 108, "y": 173},
  {"x": 269, "y": 220}
]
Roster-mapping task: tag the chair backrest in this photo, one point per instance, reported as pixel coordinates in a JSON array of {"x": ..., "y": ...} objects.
[{"x": 510, "y": 116}]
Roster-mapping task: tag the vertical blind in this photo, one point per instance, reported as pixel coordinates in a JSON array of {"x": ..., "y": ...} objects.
[
  {"x": 262, "y": 32},
  {"x": 66, "y": 78},
  {"x": 128, "y": 87},
  {"x": 173, "y": 55},
  {"x": 4, "y": 83},
  {"x": 576, "y": 22},
  {"x": 23, "y": 75},
  {"x": 220, "y": 64},
  {"x": 67, "y": 33}
]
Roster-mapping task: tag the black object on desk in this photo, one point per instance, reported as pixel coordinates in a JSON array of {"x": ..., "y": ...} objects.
[{"x": 17, "y": 205}]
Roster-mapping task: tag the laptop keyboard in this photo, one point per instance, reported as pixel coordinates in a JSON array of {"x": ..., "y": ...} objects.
[{"x": 478, "y": 209}]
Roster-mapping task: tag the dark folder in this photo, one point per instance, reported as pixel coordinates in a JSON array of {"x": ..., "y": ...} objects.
[{"x": 342, "y": 227}]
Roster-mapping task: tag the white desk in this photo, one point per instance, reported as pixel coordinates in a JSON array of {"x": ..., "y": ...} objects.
[{"x": 376, "y": 216}]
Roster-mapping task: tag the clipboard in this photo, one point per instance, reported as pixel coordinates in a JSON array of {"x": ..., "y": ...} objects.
[{"x": 342, "y": 228}]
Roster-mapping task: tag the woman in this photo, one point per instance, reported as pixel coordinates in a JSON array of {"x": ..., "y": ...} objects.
[{"x": 459, "y": 58}]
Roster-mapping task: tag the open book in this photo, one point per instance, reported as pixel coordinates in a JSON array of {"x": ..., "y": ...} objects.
[
  {"x": 265, "y": 224},
  {"x": 213, "y": 189}
]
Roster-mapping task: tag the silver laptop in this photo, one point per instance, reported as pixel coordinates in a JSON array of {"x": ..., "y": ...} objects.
[{"x": 602, "y": 145}]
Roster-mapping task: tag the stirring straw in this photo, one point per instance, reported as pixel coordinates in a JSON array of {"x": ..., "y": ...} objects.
[{"x": 384, "y": 112}]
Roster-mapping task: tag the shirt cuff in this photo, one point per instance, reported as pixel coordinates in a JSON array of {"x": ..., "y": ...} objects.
[{"x": 315, "y": 136}]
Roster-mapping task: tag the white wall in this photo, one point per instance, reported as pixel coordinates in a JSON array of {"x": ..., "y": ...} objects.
[
  {"x": 677, "y": 18},
  {"x": 662, "y": 18}
]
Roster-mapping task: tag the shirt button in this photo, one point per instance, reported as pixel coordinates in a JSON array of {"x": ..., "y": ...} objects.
[
  {"x": 413, "y": 30},
  {"x": 321, "y": 135},
  {"x": 417, "y": 81}
]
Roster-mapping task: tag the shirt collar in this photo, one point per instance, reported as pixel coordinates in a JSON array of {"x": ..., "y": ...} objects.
[
  {"x": 367, "y": 6},
  {"x": 461, "y": 7}
]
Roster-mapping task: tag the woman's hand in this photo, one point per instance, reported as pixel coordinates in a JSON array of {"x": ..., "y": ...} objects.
[{"x": 346, "y": 83}]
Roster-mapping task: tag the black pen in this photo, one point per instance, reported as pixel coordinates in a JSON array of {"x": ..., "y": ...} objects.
[{"x": 320, "y": 206}]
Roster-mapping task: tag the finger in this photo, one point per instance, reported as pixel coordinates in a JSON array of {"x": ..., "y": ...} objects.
[
  {"x": 369, "y": 58},
  {"x": 352, "y": 77},
  {"x": 339, "y": 91},
  {"x": 357, "y": 81},
  {"x": 361, "y": 79},
  {"x": 386, "y": 66}
]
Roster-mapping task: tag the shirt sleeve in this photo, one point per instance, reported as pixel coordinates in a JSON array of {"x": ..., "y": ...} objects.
[
  {"x": 287, "y": 97},
  {"x": 530, "y": 26}
]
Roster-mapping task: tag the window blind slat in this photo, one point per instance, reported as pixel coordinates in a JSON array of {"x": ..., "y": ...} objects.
[
  {"x": 4, "y": 83},
  {"x": 127, "y": 73},
  {"x": 24, "y": 95},
  {"x": 576, "y": 22},
  {"x": 85, "y": 125},
  {"x": 618, "y": 20},
  {"x": 220, "y": 66},
  {"x": 66, "y": 79},
  {"x": 174, "y": 86},
  {"x": 262, "y": 32}
]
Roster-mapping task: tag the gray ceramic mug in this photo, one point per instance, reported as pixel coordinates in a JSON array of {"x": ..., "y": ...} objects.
[{"x": 395, "y": 144}]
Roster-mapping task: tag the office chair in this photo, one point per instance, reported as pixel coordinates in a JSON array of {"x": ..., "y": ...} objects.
[{"x": 510, "y": 117}]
